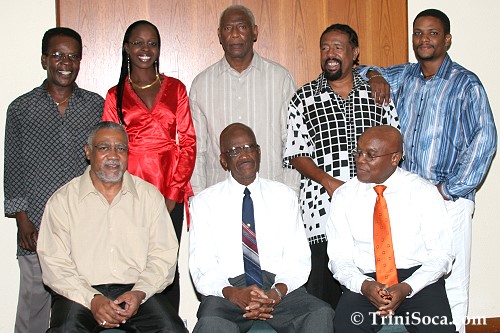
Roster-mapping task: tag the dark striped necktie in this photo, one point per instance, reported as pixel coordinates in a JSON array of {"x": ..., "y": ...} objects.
[{"x": 253, "y": 273}]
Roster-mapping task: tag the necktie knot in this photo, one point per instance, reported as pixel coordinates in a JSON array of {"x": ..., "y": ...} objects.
[
  {"x": 246, "y": 191},
  {"x": 380, "y": 189}
]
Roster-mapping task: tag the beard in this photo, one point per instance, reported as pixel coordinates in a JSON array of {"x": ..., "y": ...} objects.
[
  {"x": 335, "y": 75},
  {"x": 113, "y": 177},
  {"x": 424, "y": 54}
]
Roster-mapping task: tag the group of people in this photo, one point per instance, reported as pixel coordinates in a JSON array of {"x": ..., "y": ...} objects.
[{"x": 379, "y": 223}]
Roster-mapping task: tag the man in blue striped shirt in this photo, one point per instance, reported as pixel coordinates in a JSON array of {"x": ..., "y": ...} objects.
[{"x": 448, "y": 131}]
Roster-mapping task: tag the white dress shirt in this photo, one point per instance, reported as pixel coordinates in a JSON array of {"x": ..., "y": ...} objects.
[
  {"x": 215, "y": 243},
  {"x": 421, "y": 232}
]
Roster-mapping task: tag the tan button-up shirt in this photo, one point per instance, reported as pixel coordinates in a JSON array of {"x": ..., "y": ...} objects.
[{"x": 86, "y": 241}]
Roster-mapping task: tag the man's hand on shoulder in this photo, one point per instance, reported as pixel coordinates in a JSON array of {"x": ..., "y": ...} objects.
[
  {"x": 129, "y": 302},
  {"x": 381, "y": 90},
  {"x": 106, "y": 312}
]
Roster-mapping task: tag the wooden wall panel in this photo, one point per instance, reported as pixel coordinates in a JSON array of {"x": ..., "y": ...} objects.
[
  {"x": 289, "y": 32},
  {"x": 382, "y": 27}
]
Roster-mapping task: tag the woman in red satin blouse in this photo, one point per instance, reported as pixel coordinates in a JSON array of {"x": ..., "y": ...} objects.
[{"x": 154, "y": 109}]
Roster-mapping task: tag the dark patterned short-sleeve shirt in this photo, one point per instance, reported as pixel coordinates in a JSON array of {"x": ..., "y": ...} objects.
[
  {"x": 325, "y": 127},
  {"x": 44, "y": 150}
]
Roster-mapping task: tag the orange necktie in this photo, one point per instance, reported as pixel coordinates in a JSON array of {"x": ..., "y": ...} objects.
[{"x": 385, "y": 264}]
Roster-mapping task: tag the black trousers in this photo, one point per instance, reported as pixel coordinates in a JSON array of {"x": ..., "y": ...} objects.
[
  {"x": 156, "y": 315},
  {"x": 321, "y": 282},
  {"x": 173, "y": 292},
  {"x": 426, "y": 311}
]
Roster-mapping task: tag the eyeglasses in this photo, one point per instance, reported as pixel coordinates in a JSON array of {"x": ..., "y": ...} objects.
[
  {"x": 106, "y": 148},
  {"x": 369, "y": 156},
  {"x": 140, "y": 43},
  {"x": 236, "y": 151},
  {"x": 61, "y": 56}
]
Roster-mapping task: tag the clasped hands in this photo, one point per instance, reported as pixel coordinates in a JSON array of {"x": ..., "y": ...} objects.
[
  {"x": 256, "y": 303},
  {"x": 109, "y": 313},
  {"x": 386, "y": 299}
]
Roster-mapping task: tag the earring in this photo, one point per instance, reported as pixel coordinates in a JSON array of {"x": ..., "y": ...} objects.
[
  {"x": 156, "y": 67},
  {"x": 128, "y": 65}
]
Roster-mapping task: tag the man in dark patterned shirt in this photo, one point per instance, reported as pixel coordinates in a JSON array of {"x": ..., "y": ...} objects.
[
  {"x": 325, "y": 119},
  {"x": 46, "y": 129}
]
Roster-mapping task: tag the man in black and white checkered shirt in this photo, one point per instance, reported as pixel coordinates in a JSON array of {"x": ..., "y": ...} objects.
[{"x": 325, "y": 118}]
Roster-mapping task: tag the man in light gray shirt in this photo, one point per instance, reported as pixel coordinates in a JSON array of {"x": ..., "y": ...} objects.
[{"x": 242, "y": 87}]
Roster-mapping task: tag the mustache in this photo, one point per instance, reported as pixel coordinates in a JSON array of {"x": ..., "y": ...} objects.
[{"x": 113, "y": 163}]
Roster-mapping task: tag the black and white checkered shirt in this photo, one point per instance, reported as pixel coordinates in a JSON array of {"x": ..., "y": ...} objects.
[{"x": 325, "y": 127}]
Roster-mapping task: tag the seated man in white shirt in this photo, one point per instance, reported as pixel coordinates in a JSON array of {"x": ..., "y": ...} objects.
[
  {"x": 281, "y": 260},
  {"x": 421, "y": 243},
  {"x": 107, "y": 246}
]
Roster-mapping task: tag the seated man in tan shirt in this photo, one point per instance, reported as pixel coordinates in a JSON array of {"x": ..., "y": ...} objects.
[{"x": 107, "y": 246}]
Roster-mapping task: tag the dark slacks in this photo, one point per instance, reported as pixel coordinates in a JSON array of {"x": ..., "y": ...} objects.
[
  {"x": 173, "y": 292},
  {"x": 321, "y": 282},
  {"x": 156, "y": 315},
  {"x": 297, "y": 312},
  {"x": 426, "y": 311}
]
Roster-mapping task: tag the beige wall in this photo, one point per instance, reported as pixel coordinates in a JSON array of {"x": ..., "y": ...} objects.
[
  {"x": 473, "y": 24},
  {"x": 23, "y": 24}
]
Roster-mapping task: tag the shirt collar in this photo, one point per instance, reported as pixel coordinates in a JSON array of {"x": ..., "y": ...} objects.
[
  {"x": 239, "y": 188},
  {"x": 77, "y": 92},
  {"x": 87, "y": 187},
  {"x": 443, "y": 72},
  {"x": 323, "y": 85},
  {"x": 256, "y": 63},
  {"x": 392, "y": 182}
]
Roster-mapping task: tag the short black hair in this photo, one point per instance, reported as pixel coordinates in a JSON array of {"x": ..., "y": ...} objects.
[
  {"x": 59, "y": 31},
  {"x": 353, "y": 36},
  {"x": 437, "y": 14}
]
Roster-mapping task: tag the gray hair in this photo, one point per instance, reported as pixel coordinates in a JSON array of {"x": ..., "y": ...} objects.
[
  {"x": 104, "y": 125},
  {"x": 239, "y": 7}
]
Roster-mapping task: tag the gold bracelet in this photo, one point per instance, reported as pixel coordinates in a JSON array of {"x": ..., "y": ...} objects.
[{"x": 376, "y": 75}]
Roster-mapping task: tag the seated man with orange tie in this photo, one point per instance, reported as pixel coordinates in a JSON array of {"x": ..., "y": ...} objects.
[
  {"x": 389, "y": 243},
  {"x": 249, "y": 255}
]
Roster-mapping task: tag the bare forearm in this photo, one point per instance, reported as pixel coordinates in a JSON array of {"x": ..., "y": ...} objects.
[{"x": 309, "y": 169}]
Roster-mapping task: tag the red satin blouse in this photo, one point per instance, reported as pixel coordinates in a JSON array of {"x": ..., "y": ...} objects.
[{"x": 162, "y": 141}]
